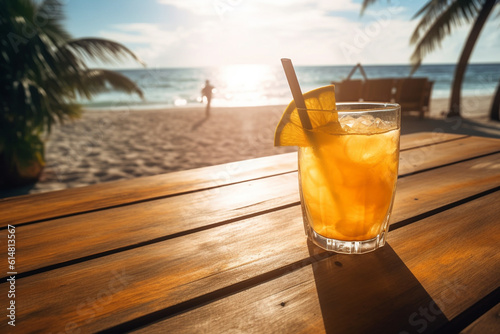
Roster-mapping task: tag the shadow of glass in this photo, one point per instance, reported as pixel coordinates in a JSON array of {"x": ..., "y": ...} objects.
[{"x": 372, "y": 293}]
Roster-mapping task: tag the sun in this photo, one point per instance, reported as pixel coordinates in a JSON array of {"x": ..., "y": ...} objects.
[{"x": 249, "y": 77}]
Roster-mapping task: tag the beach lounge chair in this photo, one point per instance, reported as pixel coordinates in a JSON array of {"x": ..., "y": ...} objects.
[
  {"x": 348, "y": 90},
  {"x": 379, "y": 90},
  {"x": 413, "y": 94}
]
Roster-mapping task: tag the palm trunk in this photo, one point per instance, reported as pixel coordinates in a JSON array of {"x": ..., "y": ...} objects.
[
  {"x": 464, "y": 57},
  {"x": 495, "y": 106}
]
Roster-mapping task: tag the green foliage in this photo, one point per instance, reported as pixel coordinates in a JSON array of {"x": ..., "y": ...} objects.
[{"x": 43, "y": 71}]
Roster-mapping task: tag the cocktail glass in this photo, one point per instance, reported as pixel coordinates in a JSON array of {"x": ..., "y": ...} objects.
[{"x": 347, "y": 177}]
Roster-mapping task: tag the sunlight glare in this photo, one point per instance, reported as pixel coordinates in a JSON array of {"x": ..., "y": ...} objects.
[
  {"x": 248, "y": 76},
  {"x": 250, "y": 82}
]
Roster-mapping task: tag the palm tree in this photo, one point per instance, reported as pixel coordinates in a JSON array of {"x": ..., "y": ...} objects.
[
  {"x": 439, "y": 18},
  {"x": 43, "y": 73}
]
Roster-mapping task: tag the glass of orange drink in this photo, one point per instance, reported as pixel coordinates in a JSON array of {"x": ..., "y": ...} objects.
[
  {"x": 348, "y": 161},
  {"x": 347, "y": 177}
]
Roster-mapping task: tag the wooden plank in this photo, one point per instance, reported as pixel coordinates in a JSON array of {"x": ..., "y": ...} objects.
[
  {"x": 377, "y": 294},
  {"x": 425, "y": 157},
  {"x": 21, "y": 209},
  {"x": 164, "y": 274},
  {"x": 441, "y": 186},
  {"x": 488, "y": 323},
  {"x": 460, "y": 246},
  {"x": 158, "y": 275},
  {"x": 417, "y": 139},
  {"x": 96, "y": 232},
  {"x": 300, "y": 301},
  {"x": 36, "y": 207}
]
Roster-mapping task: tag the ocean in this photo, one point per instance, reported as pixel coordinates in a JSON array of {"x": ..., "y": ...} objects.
[{"x": 256, "y": 85}]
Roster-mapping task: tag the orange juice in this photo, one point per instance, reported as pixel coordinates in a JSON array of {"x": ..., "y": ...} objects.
[
  {"x": 348, "y": 167},
  {"x": 347, "y": 180}
]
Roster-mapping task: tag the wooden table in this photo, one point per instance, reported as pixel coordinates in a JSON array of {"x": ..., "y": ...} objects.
[{"x": 222, "y": 250}]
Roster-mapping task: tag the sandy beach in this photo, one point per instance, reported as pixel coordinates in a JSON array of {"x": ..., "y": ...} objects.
[{"x": 114, "y": 144}]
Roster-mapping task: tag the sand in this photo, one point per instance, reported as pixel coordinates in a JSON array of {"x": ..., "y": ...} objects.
[{"x": 113, "y": 144}]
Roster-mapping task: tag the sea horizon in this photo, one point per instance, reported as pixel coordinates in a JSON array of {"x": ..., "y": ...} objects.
[
  {"x": 299, "y": 65},
  {"x": 258, "y": 85}
]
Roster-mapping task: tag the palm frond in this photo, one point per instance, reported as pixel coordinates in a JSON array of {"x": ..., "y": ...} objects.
[
  {"x": 432, "y": 8},
  {"x": 30, "y": 106},
  {"x": 43, "y": 71},
  {"x": 366, "y": 4},
  {"x": 20, "y": 8},
  {"x": 99, "y": 80},
  {"x": 439, "y": 14},
  {"x": 442, "y": 26},
  {"x": 53, "y": 9},
  {"x": 66, "y": 111},
  {"x": 50, "y": 14},
  {"x": 102, "y": 50}
]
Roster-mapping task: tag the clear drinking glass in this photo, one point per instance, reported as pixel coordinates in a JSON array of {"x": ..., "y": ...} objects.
[{"x": 347, "y": 177}]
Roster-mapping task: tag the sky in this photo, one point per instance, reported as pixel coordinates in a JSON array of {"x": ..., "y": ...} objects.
[{"x": 200, "y": 33}]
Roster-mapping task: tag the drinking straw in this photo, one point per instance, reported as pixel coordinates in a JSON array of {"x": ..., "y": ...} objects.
[
  {"x": 296, "y": 93},
  {"x": 300, "y": 104}
]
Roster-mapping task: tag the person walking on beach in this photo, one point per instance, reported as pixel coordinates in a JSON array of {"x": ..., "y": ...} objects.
[{"x": 207, "y": 91}]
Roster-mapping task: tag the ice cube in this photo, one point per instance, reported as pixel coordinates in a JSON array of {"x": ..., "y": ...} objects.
[
  {"x": 347, "y": 122},
  {"x": 382, "y": 125},
  {"x": 363, "y": 123}
]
